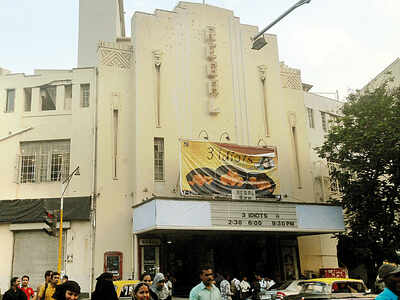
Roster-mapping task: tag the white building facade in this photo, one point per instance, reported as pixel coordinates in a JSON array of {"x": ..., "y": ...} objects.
[
  {"x": 46, "y": 130},
  {"x": 190, "y": 74}
]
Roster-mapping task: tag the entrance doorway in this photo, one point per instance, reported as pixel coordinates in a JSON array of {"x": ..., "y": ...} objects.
[{"x": 238, "y": 254}]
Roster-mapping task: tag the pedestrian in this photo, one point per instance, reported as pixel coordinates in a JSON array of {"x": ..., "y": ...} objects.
[
  {"x": 104, "y": 289},
  {"x": 255, "y": 287},
  {"x": 168, "y": 282},
  {"x": 390, "y": 275},
  {"x": 47, "y": 291},
  {"x": 47, "y": 279},
  {"x": 225, "y": 288},
  {"x": 245, "y": 288},
  {"x": 64, "y": 279},
  {"x": 218, "y": 279},
  {"x": 14, "y": 293},
  {"x": 68, "y": 290},
  {"x": 146, "y": 278},
  {"x": 205, "y": 290},
  {"x": 270, "y": 282},
  {"x": 29, "y": 292},
  {"x": 141, "y": 292},
  {"x": 159, "y": 288},
  {"x": 235, "y": 288}
]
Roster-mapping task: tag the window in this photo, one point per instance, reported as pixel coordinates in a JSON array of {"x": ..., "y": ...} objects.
[
  {"x": 68, "y": 97},
  {"x": 10, "y": 100},
  {"x": 27, "y": 168},
  {"x": 310, "y": 114},
  {"x": 28, "y": 99},
  {"x": 158, "y": 159},
  {"x": 44, "y": 161},
  {"x": 85, "y": 94},
  {"x": 115, "y": 154},
  {"x": 324, "y": 124},
  {"x": 48, "y": 97}
]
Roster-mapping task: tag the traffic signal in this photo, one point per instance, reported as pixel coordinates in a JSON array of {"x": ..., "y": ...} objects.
[{"x": 50, "y": 219}]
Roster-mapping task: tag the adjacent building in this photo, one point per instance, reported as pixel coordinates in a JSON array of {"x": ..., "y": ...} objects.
[
  {"x": 47, "y": 129},
  {"x": 185, "y": 76}
]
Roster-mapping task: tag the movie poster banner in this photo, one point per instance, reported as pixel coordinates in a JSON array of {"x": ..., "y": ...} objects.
[{"x": 209, "y": 168}]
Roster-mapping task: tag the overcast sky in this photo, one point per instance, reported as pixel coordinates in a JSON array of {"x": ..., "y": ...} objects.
[{"x": 337, "y": 44}]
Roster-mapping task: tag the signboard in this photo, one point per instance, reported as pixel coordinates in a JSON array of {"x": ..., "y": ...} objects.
[
  {"x": 208, "y": 168},
  {"x": 149, "y": 242},
  {"x": 250, "y": 214},
  {"x": 244, "y": 194}
]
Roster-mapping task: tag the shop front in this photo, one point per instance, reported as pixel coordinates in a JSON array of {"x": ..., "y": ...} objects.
[{"x": 239, "y": 237}]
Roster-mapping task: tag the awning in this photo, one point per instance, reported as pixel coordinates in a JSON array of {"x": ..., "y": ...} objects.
[
  {"x": 33, "y": 210},
  {"x": 236, "y": 215}
]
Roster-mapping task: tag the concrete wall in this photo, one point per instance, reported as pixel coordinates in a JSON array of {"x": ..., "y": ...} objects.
[
  {"x": 128, "y": 82},
  {"x": 78, "y": 253},
  {"x": 179, "y": 36},
  {"x": 115, "y": 192},
  {"x": 99, "y": 20},
  {"x": 390, "y": 72},
  {"x": 6, "y": 256}
]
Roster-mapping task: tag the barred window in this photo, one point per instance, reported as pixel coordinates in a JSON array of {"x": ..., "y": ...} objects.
[
  {"x": 310, "y": 114},
  {"x": 158, "y": 159},
  {"x": 324, "y": 123},
  {"x": 44, "y": 161},
  {"x": 85, "y": 94}
]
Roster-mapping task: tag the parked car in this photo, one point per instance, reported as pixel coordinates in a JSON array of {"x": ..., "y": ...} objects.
[
  {"x": 332, "y": 288},
  {"x": 282, "y": 289}
]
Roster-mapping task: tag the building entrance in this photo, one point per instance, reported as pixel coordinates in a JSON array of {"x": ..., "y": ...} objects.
[{"x": 237, "y": 254}]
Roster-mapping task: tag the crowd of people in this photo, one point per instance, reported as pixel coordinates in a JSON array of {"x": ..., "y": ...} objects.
[
  {"x": 227, "y": 287},
  {"x": 218, "y": 287},
  {"x": 52, "y": 288}
]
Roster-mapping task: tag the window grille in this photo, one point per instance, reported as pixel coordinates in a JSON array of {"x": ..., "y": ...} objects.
[
  {"x": 85, "y": 94},
  {"x": 158, "y": 159},
  {"x": 48, "y": 97},
  {"x": 310, "y": 114},
  {"x": 10, "y": 100},
  {"x": 334, "y": 186},
  {"x": 44, "y": 161},
  {"x": 323, "y": 119}
]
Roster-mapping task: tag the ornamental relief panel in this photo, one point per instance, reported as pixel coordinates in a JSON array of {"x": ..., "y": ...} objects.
[{"x": 119, "y": 57}]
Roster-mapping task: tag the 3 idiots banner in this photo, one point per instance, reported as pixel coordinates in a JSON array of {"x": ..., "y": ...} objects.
[{"x": 209, "y": 168}]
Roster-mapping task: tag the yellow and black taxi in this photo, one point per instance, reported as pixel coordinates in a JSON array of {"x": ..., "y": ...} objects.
[{"x": 124, "y": 288}]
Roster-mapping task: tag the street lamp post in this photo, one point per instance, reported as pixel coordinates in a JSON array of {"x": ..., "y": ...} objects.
[
  {"x": 259, "y": 41},
  {"x": 65, "y": 184}
]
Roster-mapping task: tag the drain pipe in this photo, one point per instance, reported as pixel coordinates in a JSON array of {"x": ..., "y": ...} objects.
[{"x": 94, "y": 187}]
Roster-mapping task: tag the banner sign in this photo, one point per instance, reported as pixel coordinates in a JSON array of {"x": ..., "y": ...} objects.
[
  {"x": 248, "y": 214},
  {"x": 209, "y": 168}
]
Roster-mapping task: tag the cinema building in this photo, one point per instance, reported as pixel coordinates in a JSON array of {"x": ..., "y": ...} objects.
[
  {"x": 195, "y": 149},
  {"x": 186, "y": 87}
]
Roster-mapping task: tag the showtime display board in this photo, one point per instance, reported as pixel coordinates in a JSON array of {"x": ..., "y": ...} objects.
[{"x": 209, "y": 168}]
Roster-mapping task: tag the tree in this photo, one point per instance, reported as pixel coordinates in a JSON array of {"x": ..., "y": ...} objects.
[{"x": 365, "y": 144}]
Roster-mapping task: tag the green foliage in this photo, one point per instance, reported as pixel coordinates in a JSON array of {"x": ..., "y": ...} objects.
[{"x": 365, "y": 142}]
